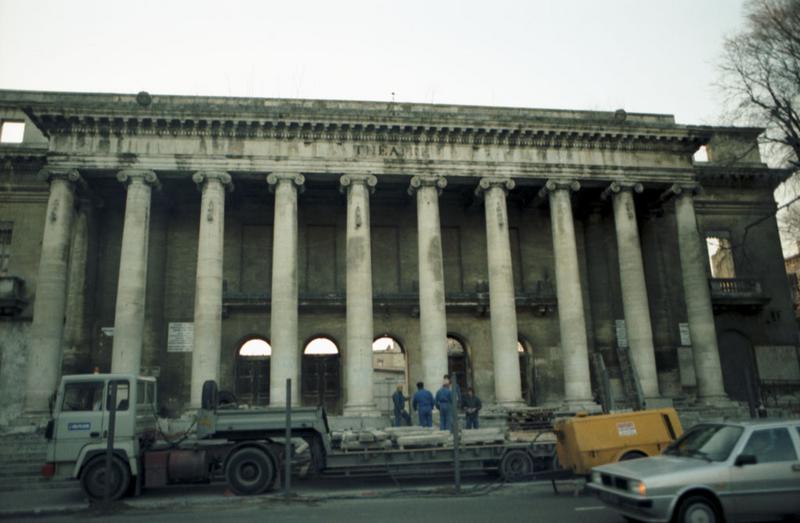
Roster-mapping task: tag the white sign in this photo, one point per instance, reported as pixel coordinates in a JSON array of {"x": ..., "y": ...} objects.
[
  {"x": 107, "y": 331},
  {"x": 180, "y": 337},
  {"x": 626, "y": 428},
  {"x": 686, "y": 339},
  {"x": 622, "y": 334}
]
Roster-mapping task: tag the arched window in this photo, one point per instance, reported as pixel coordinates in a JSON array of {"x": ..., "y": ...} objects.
[
  {"x": 390, "y": 368},
  {"x": 252, "y": 371},
  {"x": 255, "y": 347},
  {"x": 458, "y": 362},
  {"x": 320, "y": 378}
]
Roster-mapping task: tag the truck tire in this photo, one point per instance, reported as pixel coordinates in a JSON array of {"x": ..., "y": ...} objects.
[
  {"x": 93, "y": 478},
  {"x": 634, "y": 454},
  {"x": 516, "y": 465},
  {"x": 209, "y": 399},
  {"x": 250, "y": 471}
]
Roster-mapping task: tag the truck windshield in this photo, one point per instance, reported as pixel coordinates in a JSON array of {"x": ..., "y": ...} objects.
[{"x": 708, "y": 442}]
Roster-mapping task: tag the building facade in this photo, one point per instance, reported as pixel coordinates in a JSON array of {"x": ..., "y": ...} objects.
[{"x": 548, "y": 257}]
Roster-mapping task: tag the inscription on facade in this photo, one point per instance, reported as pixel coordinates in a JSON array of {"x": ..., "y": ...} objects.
[
  {"x": 180, "y": 337},
  {"x": 397, "y": 151}
]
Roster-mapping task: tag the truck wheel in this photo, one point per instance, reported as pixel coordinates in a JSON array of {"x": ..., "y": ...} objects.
[
  {"x": 209, "y": 397},
  {"x": 516, "y": 465},
  {"x": 93, "y": 478},
  {"x": 250, "y": 471},
  {"x": 697, "y": 509}
]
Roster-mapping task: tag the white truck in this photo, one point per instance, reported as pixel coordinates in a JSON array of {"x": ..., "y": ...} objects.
[{"x": 242, "y": 446}]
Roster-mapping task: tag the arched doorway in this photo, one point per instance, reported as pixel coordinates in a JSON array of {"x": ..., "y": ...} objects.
[
  {"x": 739, "y": 368},
  {"x": 252, "y": 371},
  {"x": 526, "y": 371},
  {"x": 321, "y": 384},
  {"x": 389, "y": 369},
  {"x": 458, "y": 362}
]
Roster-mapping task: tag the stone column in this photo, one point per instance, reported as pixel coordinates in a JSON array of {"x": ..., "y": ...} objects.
[
  {"x": 571, "y": 319},
  {"x": 126, "y": 355},
  {"x": 208, "y": 286},
  {"x": 432, "y": 318},
  {"x": 47, "y": 329},
  {"x": 358, "y": 355},
  {"x": 502, "y": 297},
  {"x": 702, "y": 330},
  {"x": 76, "y": 335},
  {"x": 285, "y": 359},
  {"x": 634, "y": 290}
]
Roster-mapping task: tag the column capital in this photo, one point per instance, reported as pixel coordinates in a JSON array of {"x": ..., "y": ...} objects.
[
  {"x": 559, "y": 185},
  {"x": 439, "y": 182},
  {"x": 618, "y": 187},
  {"x": 48, "y": 174},
  {"x": 273, "y": 179},
  {"x": 146, "y": 176},
  {"x": 487, "y": 183},
  {"x": 201, "y": 177},
  {"x": 680, "y": 189},
  {"x": 347, "y": 180}
]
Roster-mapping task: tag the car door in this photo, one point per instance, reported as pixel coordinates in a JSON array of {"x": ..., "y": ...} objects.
[
  {"x": 768, "y": 488},
  {"x": 80, "y": 418}
]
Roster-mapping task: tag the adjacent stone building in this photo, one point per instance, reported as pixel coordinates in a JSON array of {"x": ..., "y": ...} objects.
[{"x": 549, "y": 257}]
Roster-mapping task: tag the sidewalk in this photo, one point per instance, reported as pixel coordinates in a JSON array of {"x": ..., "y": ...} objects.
[{"x": 71, "y": 500}]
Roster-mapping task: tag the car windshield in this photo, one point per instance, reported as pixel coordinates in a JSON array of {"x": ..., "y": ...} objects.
[{"x": 708, "y": 442}]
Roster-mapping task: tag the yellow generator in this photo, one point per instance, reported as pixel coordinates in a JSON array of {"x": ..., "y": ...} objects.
[{"x": 586, "y": 441}]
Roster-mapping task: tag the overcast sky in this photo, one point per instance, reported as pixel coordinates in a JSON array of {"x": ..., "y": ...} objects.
[{"x": 641, "y": 55}]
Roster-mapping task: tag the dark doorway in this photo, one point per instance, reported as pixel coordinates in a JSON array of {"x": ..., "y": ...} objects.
[
  {"x": 739, "y": 369},
  {"x": 321, "y": 384},
  {"x": 458, "y": 362},
  {"x": 252, "y": 372}
]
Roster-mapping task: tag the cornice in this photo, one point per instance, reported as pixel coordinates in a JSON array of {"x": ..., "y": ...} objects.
[
  {"x": 739, "y": 176},
  {"x": 288, "y": 129}
]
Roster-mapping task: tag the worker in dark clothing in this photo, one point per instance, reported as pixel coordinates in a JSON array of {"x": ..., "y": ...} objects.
[
  {"x": 423, "y": 403},
  {"x": 444, "y": 402},
  {"x": 471, "y": 405},
  {"x": 400, "y": 415}
]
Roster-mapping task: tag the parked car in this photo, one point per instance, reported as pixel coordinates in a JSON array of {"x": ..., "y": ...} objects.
[{"x": 748, "y": 471}]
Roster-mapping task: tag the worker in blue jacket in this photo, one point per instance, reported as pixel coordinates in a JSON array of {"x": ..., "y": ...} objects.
[
  {"x": 423, "y": 403},
  {"x": 444, "y": 402}
]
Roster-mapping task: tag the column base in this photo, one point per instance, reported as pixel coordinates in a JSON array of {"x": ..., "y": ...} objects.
[
  {"x": 575, "y": 406},
  {"x": 510, "y": 405},
  {"x": 658, "y": 402},
  {"x": 721, "y": 401},
  {"x": 361, "y": 411}
]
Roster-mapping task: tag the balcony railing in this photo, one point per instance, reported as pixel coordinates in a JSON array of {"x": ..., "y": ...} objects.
[{"x": 737, "y": 292}]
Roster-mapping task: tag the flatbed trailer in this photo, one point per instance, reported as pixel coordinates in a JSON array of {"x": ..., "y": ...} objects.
[{"x": 243, "y": 447}]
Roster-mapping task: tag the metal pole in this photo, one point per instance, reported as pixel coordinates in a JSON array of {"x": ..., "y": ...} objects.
[
  {"x": 456, "y": 434},
  {"x": 112, "y": 421},
  {"x": 287, "y": 453}
]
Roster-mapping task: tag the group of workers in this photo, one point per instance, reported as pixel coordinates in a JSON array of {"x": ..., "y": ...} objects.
[{"x": 423, "y": 403}]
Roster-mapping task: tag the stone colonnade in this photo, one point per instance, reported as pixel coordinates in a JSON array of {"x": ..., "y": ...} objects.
[{"x": 49, "y": 307}]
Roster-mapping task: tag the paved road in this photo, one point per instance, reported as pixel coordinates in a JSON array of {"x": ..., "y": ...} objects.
[{"x": 480, "y": 503}]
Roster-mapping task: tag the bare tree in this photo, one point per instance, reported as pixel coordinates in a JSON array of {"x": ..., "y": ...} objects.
[
  {"x": 761, "y": 74},
  {"x": 761, "y": 79}
]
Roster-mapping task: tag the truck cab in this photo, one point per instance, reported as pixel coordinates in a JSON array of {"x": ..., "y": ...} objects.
[{"x": 78, "y": 432}]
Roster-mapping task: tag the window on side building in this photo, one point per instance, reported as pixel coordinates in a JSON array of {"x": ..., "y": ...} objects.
[{"x": 720, "y": 254}]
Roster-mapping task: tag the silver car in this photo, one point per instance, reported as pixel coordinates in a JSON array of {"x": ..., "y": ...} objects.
[{"x": 747, "y": 471}]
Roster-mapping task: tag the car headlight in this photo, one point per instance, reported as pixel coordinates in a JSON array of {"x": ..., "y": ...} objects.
[
  {"x": 637, "y": 487},
  {"x": 596, "y": 477}
]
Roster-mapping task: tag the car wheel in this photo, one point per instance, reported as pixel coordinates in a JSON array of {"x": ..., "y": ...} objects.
[{"x": 697, "y": 509}]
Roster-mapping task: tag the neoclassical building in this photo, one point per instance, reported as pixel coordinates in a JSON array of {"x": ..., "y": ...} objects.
[{"x": 548, "y": 257}]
